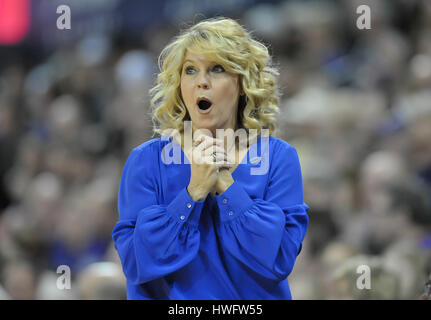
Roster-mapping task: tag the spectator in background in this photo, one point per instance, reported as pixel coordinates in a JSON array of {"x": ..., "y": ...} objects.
[
  {"x": 102, "y": 281},
  {"x": 19, "y": 280}
]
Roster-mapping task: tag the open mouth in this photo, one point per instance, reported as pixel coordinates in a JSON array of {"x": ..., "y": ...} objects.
[{"x": 204, "y": 104}]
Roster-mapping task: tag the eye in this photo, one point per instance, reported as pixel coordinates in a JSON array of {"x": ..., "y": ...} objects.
[
  {"x": 189, "y": 70},
  {"x": 218, "y": 68}
]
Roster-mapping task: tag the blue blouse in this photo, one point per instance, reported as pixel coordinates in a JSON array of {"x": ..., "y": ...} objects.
[{"x": 241, "y": 244}]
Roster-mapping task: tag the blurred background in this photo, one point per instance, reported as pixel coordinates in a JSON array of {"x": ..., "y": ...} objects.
[{"x": 356, "y": 105}]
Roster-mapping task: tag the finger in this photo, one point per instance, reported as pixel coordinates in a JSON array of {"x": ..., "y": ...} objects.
[
  {"x": 200, "y": 136},
  {"x": 212, "y": 160},
  {"x": 221, "y": 168},
  {"x": 197, "y": 140},
  {"x": 204, "y": 142},
  {"x": 217, "y": 149},
  {"x": 216, "y": 154},
  {"x": 219, "y": 142},
  {"x": 227, "y": 164},
  {"x": 214, "y": 148},
  {"x": 221, "y": 158},
  {"x": 222, "y": 152}
]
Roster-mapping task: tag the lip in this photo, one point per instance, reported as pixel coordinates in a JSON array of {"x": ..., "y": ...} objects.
[{"x": 206, "y": 99}]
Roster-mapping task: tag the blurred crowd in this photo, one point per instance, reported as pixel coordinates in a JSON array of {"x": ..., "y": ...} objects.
[{"x": 356, "y": 105}]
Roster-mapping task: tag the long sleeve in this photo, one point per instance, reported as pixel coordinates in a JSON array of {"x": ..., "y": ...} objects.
[
  {"x": 152, "y": 239},
  {"x": 266, "y": 234}
]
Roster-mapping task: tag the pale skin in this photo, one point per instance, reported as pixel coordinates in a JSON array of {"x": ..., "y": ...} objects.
[
  {"x": 206, "y": 175},
  {"x": 201, "y": 76}
]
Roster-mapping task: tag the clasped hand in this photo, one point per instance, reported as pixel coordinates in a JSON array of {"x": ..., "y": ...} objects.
[{"x": 209, "y": 168}]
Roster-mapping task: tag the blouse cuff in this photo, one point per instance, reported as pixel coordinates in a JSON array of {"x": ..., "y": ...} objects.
[
  {"x": 233, "y": 202},
  {"x": 185, "y": 209}
]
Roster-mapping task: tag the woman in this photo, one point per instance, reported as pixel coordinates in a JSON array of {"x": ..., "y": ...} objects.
[{"x": 209, "y": 227}]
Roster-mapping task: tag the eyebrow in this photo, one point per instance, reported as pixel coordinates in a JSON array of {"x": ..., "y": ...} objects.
[{"x": 194, "y": 61}]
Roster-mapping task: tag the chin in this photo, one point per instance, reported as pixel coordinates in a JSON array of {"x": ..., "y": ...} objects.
[{"x": 210, "y": 125}]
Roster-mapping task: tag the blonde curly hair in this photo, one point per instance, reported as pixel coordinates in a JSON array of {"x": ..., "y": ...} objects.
[{"x": 226, "y": 42}]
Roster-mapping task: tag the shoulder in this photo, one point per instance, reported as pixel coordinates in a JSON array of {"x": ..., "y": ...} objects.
[
  {"x": 143, "y": 160},
  {"x": 147, "y": 153},
  {"x": 150, "y": 147},
  {"x": 280, "y": 146},
  {"x": 283, "y": 154}
]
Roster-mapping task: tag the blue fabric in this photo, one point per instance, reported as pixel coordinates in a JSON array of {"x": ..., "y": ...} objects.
[{"x": 241, "y": 244}]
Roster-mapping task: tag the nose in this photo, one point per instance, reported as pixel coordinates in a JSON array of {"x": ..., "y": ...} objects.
[{"x": 202, "y": 82}]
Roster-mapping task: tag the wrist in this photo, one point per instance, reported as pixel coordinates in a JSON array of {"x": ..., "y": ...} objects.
[
  {"x": 224, "y": 182},
  {"x": 197, "y": 193}
]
